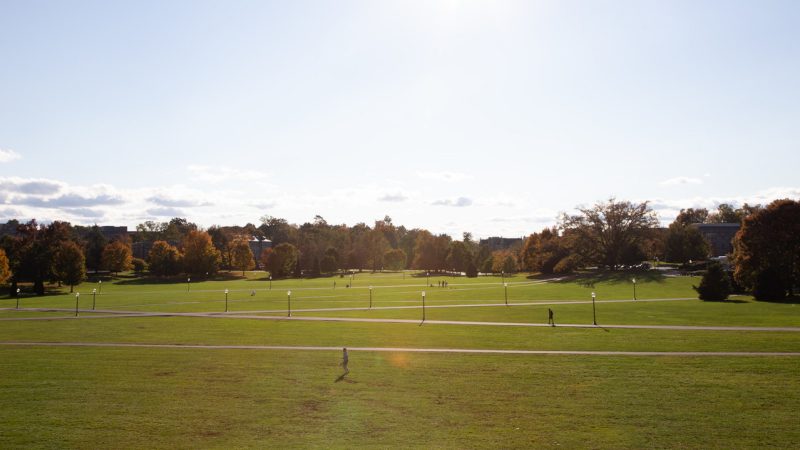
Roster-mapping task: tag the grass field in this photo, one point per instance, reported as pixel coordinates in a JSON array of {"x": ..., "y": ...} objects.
[{"x": 209, "y": 396}]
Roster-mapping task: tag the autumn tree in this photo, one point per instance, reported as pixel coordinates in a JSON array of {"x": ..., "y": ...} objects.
[
  {"x": 503, "y": 261},
  {"x": 241, "y": 255},
  {"x": 611, "y": 233},
  {"x": 394, "y": 259},
  {"x": 282, "y": 260},
  {"x": 117, "y": 257},
  {"x": 5, "y": 269},
  {"x": 199, "y": 254},
  {"x": 543, "y": 251},
  {"x": 164, "y": 259},
  {"x": 766, "y": 250},
  {"x": 69, "y": 265}
]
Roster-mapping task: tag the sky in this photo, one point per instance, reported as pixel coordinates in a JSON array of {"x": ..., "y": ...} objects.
[{"x": 491, "y": 117}]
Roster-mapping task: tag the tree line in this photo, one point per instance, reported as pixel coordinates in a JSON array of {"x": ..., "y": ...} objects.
[{"x": 610, "y": 234}]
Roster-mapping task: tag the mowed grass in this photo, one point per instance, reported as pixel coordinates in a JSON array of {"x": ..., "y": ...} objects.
[
  {"x": 193, "y": 398},
  {"x": 92, "y": 397}
]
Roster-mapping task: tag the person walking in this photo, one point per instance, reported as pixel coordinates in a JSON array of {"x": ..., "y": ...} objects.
[
  {"x": 550, "y": 320},
  {"x": 344, "y": 361}
]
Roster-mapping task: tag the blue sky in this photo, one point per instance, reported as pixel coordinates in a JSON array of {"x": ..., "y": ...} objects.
[{"x": 488, "y": 117}]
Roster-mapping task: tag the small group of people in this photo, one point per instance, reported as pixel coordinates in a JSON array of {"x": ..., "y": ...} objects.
[{"x": 442, "y": 283}]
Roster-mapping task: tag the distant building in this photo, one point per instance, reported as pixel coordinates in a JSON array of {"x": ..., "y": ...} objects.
[
  {"x": 258, "y": 245},
  {"x": 719, "y": 235},
  {"x": 500, "y": 243},
  {"x": 142, "y": 249}
]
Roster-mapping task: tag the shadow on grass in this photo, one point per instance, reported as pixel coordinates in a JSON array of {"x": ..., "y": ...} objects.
[
  {"x": 793, "y": 300},
  {"x": 730, "y": 300},
  {"x": 141, "y": 280},
  {"x": 342, "y": 378},
  {"x": 589, "y": 279}
]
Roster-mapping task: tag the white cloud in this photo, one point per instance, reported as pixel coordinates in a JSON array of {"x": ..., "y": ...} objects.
[
  {"x": 170, "y": 201},
  {"x": 460, "y": 202},
  {"x": 677, "y": 181},
  {"x": 166, "y": 212},
  {"x": 30, "y": 186},
  {"x": 8, "y": 155},
  {"x": 449, "y": 177},
  {"x": 394, "y": 197}
]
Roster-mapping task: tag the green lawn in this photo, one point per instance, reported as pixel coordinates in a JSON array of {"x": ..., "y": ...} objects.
[
  {"x": 96, "y": 397},
  {"x": 145, "y": 398}
]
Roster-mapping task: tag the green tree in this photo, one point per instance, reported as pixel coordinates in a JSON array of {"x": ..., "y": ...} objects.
[
  {"x": 117, "y": 257},
  {"x": 33, "y": 249},
  {"x": 766, "y": 250},
  {"x": 715, "y": 284},
  {"x": 69, "y": 265},
  {"x": 164, "y": 259},
  {"x": 282, "y": 260},
  {"x": 611, "y": 233},
  {"x": 241, "y": 255},
  {"x": 330, "y": 261},
  {"x": 684, "y": 243},
  {"x": 95, "y": 242},
  {"x": 177, "y": 229},
  {"x": 139, "y": 265},
  {"x": 199, "y": 254},
  {"x": 431, "y": 251},
  {"x": 691, "y": 215},
  {"x": 472, "y": 270},
  {"x": 459, "y": 256},
  {"x": 394, "y": 259}
]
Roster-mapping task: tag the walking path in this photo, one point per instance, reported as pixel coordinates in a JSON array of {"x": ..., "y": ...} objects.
[{"x": 391, "y": 349}]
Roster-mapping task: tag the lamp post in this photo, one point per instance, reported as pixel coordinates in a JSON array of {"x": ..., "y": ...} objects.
[
  {"x": 100, "y": 286},
  {"x": 594, "y": 314},
  {"x": 370, "y": 297},
  {"x": 634, "y": 288},
  {"x": 503, "y": 275},
  {"x": 270, "y": 282},
  {"x": 77, "y": 297},
  {"x": 505, "y": 288},
  {"x": 188, "y": 282},
  {"x": 226, "y": 300},
  {"x": 423, "y": 306},
  {"x": 289, "y": 303},
  {"x": 17, "y": 298},
  {"x": 428, "y": 282},
  {"x": 94, "y": 298}
]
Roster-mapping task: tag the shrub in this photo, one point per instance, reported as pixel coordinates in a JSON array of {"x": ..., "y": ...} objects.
[
  {"x": 139, "y": 265},
  {"x": 472, "y": 271},
  {"x": 714, "y": 285}
]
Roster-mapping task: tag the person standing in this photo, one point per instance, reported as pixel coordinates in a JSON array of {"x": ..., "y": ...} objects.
[
  {"x": 550, "y": 320},
  {"x": 345, "y": 359}
]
